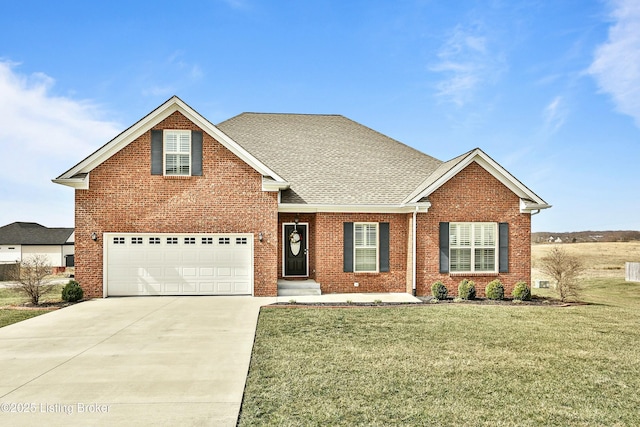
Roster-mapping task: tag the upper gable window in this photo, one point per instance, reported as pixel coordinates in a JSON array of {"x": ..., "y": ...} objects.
[{"x": 177, "y": 152}]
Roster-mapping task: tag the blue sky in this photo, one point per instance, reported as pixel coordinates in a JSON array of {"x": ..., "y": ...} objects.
[{"x": 549, "y": 89}]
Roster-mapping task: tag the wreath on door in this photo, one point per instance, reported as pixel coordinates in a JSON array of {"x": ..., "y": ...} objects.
[{"x": 294, "y": 242}]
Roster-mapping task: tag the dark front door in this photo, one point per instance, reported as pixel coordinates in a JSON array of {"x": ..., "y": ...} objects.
[{"x": 295, "y": 250}]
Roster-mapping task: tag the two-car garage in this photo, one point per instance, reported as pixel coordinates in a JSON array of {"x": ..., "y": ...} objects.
[{"x": 178, "y": 264}]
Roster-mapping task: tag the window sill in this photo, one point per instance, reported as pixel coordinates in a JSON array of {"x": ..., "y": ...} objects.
[
  {"x": 474, "y": 274},
  {"x": 177, "y": 176}
]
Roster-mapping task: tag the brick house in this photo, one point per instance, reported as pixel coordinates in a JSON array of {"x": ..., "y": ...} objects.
[{"x": 175, "y": 205}]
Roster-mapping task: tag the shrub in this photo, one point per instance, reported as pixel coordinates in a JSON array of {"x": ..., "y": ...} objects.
[
  {"x": 565, "y": 269},
  {"x": 467, "y": 289},
  {"x": 494, "y": 290},
  {"x": 521, "y": 292},
  {"x": 72, "y": 291},
  {"x": 32, "y": 277},
  {"x": 439, "y": 290}
]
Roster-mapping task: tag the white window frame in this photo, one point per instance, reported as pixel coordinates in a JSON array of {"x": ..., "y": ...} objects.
[
  {"x": 178, "y": 152},
  {"x": 475, "y": 242},
  {"x": 366, "y": 245}
]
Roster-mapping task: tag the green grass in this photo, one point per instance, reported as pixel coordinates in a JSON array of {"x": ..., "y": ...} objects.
[
  {"x": 8, "y": 317},
  {"x": 12, "y": 297},
  {"x": 450, "y": 364}
]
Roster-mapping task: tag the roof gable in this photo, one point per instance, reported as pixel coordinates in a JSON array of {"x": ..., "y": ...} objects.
[
  {"x": 529, "y": 200},
  {"x": 31, "y": 233},
  {"x": 78, "y": 175}
]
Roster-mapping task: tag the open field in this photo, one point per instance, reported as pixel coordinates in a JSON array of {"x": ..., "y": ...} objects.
[
  {"x": 600, "y": 259},
  {"x": 456, "y": 364}
]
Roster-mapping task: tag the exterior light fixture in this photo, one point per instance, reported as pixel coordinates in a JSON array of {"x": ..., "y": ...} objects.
[
  {"x": 260, "y": 236},
  {"x": 94, "y": 236}
]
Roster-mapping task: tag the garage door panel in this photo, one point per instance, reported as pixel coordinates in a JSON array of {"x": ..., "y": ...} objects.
[
  {"x": 206, "y": 272},
  {"x": 241, "y": 272},
  {"x": 163, "y": 264},
  {"x": 188, "y": 272},
  {"x": 207, "y": 287},
  {"x": 224, "y": 287},
  {"x": 241, "y": 287},
  {"x": 223, "y": 272}
]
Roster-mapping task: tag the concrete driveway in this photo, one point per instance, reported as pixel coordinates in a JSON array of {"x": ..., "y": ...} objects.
[{"x": 129, "y": 361}]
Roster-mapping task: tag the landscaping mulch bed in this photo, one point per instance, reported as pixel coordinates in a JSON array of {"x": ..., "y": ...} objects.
[{"x": 535, "y": 301}]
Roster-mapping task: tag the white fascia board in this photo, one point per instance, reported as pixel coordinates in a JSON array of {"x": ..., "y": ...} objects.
[
  {"x": 318, "y": 208},
  {"x": 77, "y": 183},
  {"x": 156, "y": 116},
  {"x": 527, "y": 206},
  {"x": 490, "y": 166},
  {"x": 269, "y": 184}
]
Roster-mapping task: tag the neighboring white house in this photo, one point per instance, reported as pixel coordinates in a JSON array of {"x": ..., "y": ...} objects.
[{"x": 23, "y": 239}]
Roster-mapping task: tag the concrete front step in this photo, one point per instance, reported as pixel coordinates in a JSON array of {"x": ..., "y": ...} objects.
[
  {"x": 298, "y": 288},
  {"x": 298, "y": 292}
]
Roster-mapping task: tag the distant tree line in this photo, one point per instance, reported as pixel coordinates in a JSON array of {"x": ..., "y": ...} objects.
[{"x": 585, "y": 236}]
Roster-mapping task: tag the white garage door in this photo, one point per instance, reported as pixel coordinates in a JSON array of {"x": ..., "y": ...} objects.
[{"x": 178, "y": 264}]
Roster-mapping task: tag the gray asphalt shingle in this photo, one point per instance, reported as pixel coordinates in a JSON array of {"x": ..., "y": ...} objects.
[
  {"x": 31, "y": 233},
  {"x": 330, "y": 159}
]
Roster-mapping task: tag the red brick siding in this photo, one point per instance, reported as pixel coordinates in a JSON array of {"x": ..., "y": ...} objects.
[
  {"x": 124, "y": 197},
  {"x": 326, "y": 253},
  {"x": 473, "y": 195}
]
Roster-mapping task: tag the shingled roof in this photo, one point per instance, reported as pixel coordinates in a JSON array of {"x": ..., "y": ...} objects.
[
  {"x": 31, "y": 233},
  {"x": 330, "y": 159}
]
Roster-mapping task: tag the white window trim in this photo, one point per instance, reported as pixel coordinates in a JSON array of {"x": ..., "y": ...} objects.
[
  {"x": 377, "y": 247},
  {"x": 473, "y": 247},
  {"x": 165, "y": 152}
]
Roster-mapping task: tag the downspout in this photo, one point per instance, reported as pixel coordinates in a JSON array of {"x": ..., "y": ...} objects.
[
  {"x": 414, "y": 251},
  {"x": 536, "y": 212}
]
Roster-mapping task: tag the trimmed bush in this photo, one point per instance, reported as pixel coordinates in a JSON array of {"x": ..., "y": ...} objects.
[
  {"x": 494, "y": 290},
  {"x": 467, "y": 289},
  {"x": 521, "y": 292},
  {"x": 72, "y": 291},
  {"x": 439, "y": 290}
]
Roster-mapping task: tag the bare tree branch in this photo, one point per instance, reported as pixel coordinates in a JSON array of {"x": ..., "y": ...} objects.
[
  {"x": 565, "y": 270},
  {"x": 31, "y": 277}
]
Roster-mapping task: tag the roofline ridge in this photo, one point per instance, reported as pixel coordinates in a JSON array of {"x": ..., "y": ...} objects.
[{"x": 395, "y": 140}]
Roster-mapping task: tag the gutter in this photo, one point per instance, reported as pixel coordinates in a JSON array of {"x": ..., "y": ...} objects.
[{"x": 414, "y": 251}]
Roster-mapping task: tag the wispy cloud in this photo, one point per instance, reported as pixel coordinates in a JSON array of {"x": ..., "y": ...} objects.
[
  {"x": 176, "y": 74},
  {"x": 42, "y": 136},
  {"x": 555, "y": 114},
  {"x": 616, "y": 65},
  {"x": 466, "y": 62}
]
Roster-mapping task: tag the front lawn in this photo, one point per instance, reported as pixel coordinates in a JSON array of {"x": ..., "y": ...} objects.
[
  {"x": 12, "y": 304},
  {"x": 450, "y": 364}
]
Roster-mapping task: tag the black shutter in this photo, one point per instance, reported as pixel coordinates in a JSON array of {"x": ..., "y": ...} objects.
[
  {"x": 384, "y": 247},
  {"x": 503, "y": 243},
  {"x": 348, "y": 247},
  {"x": 444, "y": 247},
  {"x": 156, "y": 152},
  {"x": 196, "y": 153}
]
